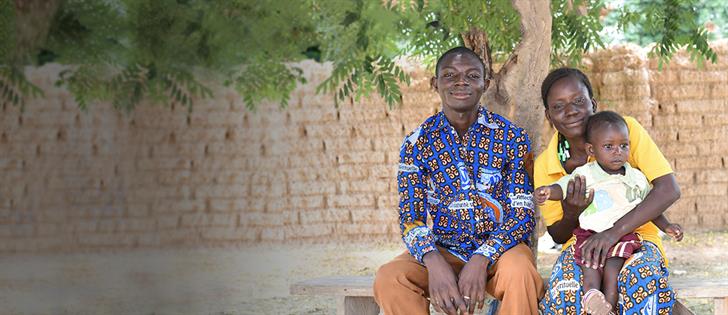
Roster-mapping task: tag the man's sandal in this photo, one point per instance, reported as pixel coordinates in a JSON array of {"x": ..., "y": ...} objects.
[{"x": 594, "y": 303}]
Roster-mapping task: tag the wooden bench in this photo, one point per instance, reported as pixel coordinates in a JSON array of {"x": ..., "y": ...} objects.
[
  {"x": 355, "y": 296},
  {"x": 716, "y": 289}
]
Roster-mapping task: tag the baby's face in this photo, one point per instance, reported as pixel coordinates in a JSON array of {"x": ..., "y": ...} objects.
[{"x": 611, "y": 146}]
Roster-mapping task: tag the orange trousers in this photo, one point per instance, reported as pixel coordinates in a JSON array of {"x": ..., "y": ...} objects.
[{"x": 400, "y": 286}]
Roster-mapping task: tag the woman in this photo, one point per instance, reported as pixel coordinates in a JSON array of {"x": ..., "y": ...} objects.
[{"x": 642, "y": 283}]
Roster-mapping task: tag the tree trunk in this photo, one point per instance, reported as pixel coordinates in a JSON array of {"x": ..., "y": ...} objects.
[
  {"x": 515, "y": 90},
  {"x": 33, "y": 19}
]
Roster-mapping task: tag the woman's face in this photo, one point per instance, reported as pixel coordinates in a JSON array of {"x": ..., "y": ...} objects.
[{"x": 569, "y": 106}]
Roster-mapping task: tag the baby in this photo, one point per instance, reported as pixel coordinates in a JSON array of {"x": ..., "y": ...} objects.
[{"x": 617, "y": 189}]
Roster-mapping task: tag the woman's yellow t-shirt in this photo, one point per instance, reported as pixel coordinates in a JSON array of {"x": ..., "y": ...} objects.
[{"x": 644, "y": 155}]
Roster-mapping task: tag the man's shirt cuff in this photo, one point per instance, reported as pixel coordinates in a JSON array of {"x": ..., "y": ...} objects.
[
  {"x": 419, "y": 241},
  {"x": 492, "y": 250}
]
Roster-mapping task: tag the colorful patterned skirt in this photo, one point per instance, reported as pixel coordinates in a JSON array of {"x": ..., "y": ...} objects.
[{"x": 642, "y": 285}]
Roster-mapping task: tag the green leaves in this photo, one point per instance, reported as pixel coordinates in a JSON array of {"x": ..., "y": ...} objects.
[
  {"x": 15, "y": 88},
  {"x": 128, "y": 51},
  {"x": 355, "y": 79},
  {"x": 85, "y": 84},
  {"x": 7, "y": 31},
  {"x": 575, "y": 29},
  {"x": 430, "y": 28},
  {"x": 182, "y": 87},
  {"x": 126, "y": 87},
  {"x": 266, "y": 80},
  {"x": 670, "y": 25}
]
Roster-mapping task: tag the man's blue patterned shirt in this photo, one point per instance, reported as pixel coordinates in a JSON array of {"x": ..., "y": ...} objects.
[{"x": 476, "y": 189}]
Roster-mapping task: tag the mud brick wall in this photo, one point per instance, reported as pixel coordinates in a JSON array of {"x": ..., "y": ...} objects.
[{"x": 162, "y": 176}]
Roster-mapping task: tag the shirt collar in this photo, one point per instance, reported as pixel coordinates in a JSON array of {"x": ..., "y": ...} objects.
[
  {"x": 553, "y": 166},
  {"x": 598, "y": 170},
  {"x": 485, "y": 118}
]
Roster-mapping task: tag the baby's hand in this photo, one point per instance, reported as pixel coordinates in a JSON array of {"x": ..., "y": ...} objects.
[
  {"x": 542, "y": 194},
  {"x": 674, "y": 230}
]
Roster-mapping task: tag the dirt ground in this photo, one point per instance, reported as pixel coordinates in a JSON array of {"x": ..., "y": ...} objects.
[{"x": 242, "y": 280}]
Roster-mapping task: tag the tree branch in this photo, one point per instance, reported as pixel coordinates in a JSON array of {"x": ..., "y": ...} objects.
[{"x": 477, "y": 40}]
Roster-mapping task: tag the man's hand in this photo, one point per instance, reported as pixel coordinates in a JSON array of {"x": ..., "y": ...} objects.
[
  {"x": 472, "y": 282},
  {"x": 577, "y": 198},
  {"x": 444, "y": 293},
  {"x": 595, "y": 249},
  {"x": 542, "y": 194},
  {"x": 675, "y": 230}
]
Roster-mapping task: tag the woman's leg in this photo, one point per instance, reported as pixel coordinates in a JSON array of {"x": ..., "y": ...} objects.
[
  {"x": 563, "y": 294},
  {"x": 642, "y": 283}
]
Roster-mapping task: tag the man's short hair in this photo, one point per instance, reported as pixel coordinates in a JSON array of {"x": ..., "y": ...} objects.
[
  {"x": 600, "y": 120},
  {"x": 464, "y": 51}
]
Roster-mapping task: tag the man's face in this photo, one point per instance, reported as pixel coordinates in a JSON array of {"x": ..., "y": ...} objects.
[{"x": 460, "y": 83}]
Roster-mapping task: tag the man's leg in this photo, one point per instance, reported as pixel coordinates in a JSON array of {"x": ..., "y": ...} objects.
[
  {"x": 401, "y": 285},
  {"x": 515, "y": 281}
]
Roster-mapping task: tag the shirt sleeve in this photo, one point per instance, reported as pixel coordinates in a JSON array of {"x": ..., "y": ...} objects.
[
  {"x": 518, "y": 222},
  {"x": 641, "y": 180},
  {"x": 645, "y": 155},
  {"x": 418, "y": 238}
]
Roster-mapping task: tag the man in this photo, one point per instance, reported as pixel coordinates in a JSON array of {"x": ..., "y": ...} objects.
[{"x": 466, "y": 167}]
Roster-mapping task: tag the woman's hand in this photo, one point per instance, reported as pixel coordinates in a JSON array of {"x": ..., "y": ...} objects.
[
  {"x": 595, "y": 249},
  {"x": 573, "y": 205},
  {"x": 577, "y": 198}
]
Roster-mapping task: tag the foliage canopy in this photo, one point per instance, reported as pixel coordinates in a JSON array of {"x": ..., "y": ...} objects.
[{"x": 125, "y": 51}]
